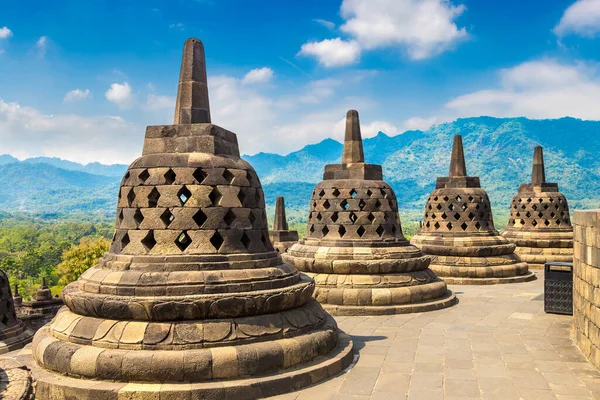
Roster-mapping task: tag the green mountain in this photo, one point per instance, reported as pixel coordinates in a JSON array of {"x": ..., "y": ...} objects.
[{"x": 498, "y": 150}]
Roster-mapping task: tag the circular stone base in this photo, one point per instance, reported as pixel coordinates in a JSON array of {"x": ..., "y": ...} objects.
[
  {"x": 16, "y": 381},
  {"x": 52, "y": 386},
  {"x": 530, "y": 276},
  {"x": 537, "y": 261},
  {"x": 437, "y": 304}
]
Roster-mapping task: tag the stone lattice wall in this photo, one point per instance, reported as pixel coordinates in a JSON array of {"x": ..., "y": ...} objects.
[{"x": 586, "y": 283}]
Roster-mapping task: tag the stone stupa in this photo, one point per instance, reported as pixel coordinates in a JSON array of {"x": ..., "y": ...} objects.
[
  {"x": 539, "y": 222},
  {"x": 354, "y": 247},
  {"x": 13, "y": 333},
  {"x": 458, "y": 232},
  {"x": 281, "y": 236},
  {"x": 191, "y": 301}
]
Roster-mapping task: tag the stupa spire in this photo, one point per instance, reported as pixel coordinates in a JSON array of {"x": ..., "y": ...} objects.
[
  {"x": 457, "y": 162},
  {"x": 280, "y": 223},
  {"x": 192, "y": 105},
  {"x": 353, "y": 147},
  {"x": 538, "y": 173}
]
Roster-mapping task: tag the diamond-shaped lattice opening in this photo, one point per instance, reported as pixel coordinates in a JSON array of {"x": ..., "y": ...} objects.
[
  {"x": 170, "y": 176},
  {"x": 471, "y": 199},
  {"x": 326, "y": 204},
  {"x": 471, "y": 216},
  {"x": 167, "y": 217},
  {"x": 265, "y": 240},
  {"x": 200, "y": 218},
  {"x": 551, "y": 200},
  {"x": 371, "y": 217},
  {"x": 545, "y": 206},
  {"x": 153, "y": 198},
  {"x": 384, "y": 193},
  {"x": 540, "y": 214},
  {"x": 523, "y": 222},
  {"x": 183, "y": 241},
  {"x": 534, "y": 207},
  {"x": 144, "y": 175},
  {"x": 377, "y": 204},
  {"x": 229, "y": 218},
  {"x": 369, "y": 193},
  {"x": 534, "y": 222},
  {"x": 242, "y": 196},
  {"x": 249, "y": 177},
  {"x": 344, "y": 204},
  {"x": 385, "y": 217},
  {"x": 464, "y": 206},
  {"x": 342, "y": 230},
  {"x": 125, "y": 240},
  {"x": 228, "y": 176},
  {"x": 529, "y": 200},
  {"x": 546, "y": 222},
  {"x": 131, "y": 197},
  {"x": 528, "y": 214},
  {"x": 558, "y": 222},
  {"x": 446, "y": 198},
  {"x": 120, "y": 216},
  {"x": 321, "y": 193},
  {"x": 325, "y": 230},
  {"x": 353, "y": 217},
  {"x": 477, "y": 207},
  {"x": 427, "y": 224},
  {"x": 360, "y": 231},
  {"x": 126, "y": 176},
  {"x": 436, "y": 225},
  {"x": 215, "y": 197},
  {"x": 449, "y": 225},
  {"x": 334, "y": 217},
  {"x": 216, "y": 240},
  {"x": 444, "y": 216},
  {"x": 251, "y": 217},
  {"x": 184, "y": 195},
  {"x": 439, "y": 206},
  {"x": 336, "y": 192},
  {"x": 458, "y": 198},
  {"x": 540, "y": 200},
  {"x": 353, "y": 193},
  {"x": 523, "y": 207},
  {"x": 361, "y": 204},
  {"x": 464, "y": 226},
  {"x": 556, "y": 206},
  {"x": 319, "y": 216},
  {"x": 199, "y": 175},
  {"x": 138, "y": 217},
  {"x": 148, "y": 241},
  {"x": 431, "y": 208},
  {"x": 451, "y": 207},
  {"x": 518, "y": 214},
  {"x": 433, "y": 215},
  {"x": 380, "y": 230},
  {"x": 478, "y": 225},
  {"x": 312, "y": 229},
  {"x": 435, "y": 198},
  {"x": 246, "y": 241}
]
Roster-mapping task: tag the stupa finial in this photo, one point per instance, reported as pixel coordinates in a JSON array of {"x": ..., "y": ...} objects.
[
  {"x": 457, "y": 162},
  {"x": 192, "y": 105},
  {"x": 353, "y": 147},
  {"x": 538, "y": 172},
  {"x": 280, "y": 223}
]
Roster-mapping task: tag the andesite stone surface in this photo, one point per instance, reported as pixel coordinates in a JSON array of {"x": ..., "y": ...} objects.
[
  {"x": 458, "y": 231},
  {"x": 13, "y": 333},
  {"x": 40, "y": 311},
  {"x": 539, "y": 222},
  {"x": 281, "y": 236},
  {"x": 191, "y": 300},
  {"x": 354, "y": 247}
]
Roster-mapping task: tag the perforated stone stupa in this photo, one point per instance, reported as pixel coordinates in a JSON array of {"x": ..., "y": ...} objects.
[
  {"x": 281, "y": 236},
  {"x": 13, "y": 333},
  {"x": 354, "y": 247},
  {"x": 539, "y": 222},
  {"x": 458, "y": 231},
  {"x": 191, "y": 301}
]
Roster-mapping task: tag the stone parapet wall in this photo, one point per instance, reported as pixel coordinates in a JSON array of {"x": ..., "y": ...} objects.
[{"x": 586, "y": 283}]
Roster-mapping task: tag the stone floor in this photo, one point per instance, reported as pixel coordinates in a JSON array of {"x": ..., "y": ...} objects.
[{"x": 497, "y": 343}]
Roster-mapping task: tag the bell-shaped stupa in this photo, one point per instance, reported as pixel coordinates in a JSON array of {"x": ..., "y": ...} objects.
[
  {"x": 458, "y": 231},
  {"x": 281, "y": 236},
  {"x": 13, "y": 333},
  {"x": 354, "y": 247},
  {"x": 539, "y": 222},
  {"x": 191, "y": 301}
]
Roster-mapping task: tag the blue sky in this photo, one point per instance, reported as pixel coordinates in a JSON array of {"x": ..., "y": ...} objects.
[{"x": 80, "y": 79}]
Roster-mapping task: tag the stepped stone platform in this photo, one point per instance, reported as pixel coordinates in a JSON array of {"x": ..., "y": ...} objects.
[
  {"x": 40, "y": 311},
  {"x": 539, "y": 223},
  {"x": 191, "y": 300},
  {"x": 354, "y": 248},
  {"x": 281, "y": 236},
  {"x": 458, "y": 232}
]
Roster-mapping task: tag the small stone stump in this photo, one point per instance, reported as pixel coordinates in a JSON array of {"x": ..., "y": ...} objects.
[
  {"x": 281, "y": 236},
  {"x": 40, "y": 311},
  {"x": 13, "y": 333}
]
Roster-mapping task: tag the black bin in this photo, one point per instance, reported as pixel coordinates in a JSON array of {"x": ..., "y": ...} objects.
[{"x": 558, "y": 288}]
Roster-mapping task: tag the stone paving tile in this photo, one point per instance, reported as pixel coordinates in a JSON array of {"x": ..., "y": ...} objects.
[{"x": 497, "y": 343}]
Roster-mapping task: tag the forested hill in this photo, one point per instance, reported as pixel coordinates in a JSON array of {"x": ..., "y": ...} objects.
[{"x": 498, "y": 150}]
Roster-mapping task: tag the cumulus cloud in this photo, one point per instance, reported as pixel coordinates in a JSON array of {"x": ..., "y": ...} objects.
[
  {"x": 156, "y": 102},
  {"x": 5, "y": 33},
  {"x": 327, "y": 24},
  {"x": 418, "y": 123},
  {"x": 319, "y": 90},
  {"x": 27, "y": 132},
  {"x": 178, "y": 26},
  {"x": 121, "y": 94},
  {"x": 258, "y": 75},
  {"x": 580, "y": 18},
  {"x": 42, "y": 46},
  {"x": 77, "y": 94},
  {"x": 332, "y": 52}
]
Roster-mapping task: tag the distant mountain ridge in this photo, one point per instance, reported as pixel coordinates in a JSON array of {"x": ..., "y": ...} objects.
[{"x": 498, "y": 150}]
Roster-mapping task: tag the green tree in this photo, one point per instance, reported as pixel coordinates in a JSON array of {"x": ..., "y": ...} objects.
[{"x": 77, "y": 259}]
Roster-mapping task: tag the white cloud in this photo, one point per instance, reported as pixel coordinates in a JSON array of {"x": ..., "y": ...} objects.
[
  {"x": 319, "y": 90},
  {"x": 5, "y": 33},
  {"x": 418, "y": 123},
  {"x": 332, "y": 52},
  {"x": 156, "y": 102},
  {"x": 580, "y": 18},
  {"x": 120, "y": 94},
  {"x": 258, "y": 75},
  {"x": 178, "y": 26},
  {"x": 42, "y": 46},
  {"x": 27, "y": 132},
  {"x": 327, "y": 24},
  {"x": 77, "y": 94}
]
